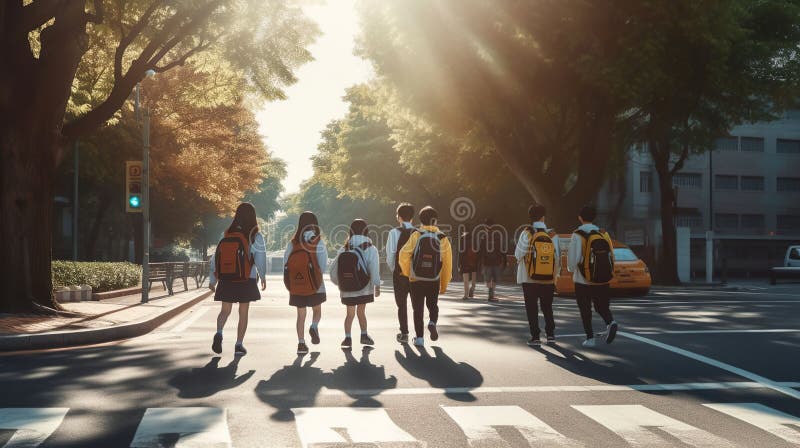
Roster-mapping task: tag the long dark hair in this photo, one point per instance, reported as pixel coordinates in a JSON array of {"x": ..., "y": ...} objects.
[
  {"x": 245, "y": 221},
  {"x": 357, "y": 227},
  {"x": 307, "y": 221}
]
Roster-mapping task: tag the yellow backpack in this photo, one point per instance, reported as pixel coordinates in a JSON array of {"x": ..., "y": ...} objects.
[{"x": 540, "y": 260}]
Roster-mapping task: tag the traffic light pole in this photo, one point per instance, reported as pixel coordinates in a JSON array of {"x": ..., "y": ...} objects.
[{"x": 146, "y": 206}]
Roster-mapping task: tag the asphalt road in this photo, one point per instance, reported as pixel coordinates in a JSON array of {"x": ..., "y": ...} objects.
[{"x": 689, "y": 368}]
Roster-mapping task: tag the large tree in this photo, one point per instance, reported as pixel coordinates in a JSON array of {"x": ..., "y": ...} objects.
[
  {"x": 695, "y": 69},
  {"x": 530, "y": 76},
  {"x": 43, "y": 44}
]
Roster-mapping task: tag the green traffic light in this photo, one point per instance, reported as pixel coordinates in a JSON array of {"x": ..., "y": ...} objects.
[{"x": 134, "y": 201}]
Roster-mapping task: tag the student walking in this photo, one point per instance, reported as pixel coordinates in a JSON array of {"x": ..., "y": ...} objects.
[
  {"x": 303, "y": 262},
  {"x": 235, "y": 268},
  {"x": 427, "y": 260},
  {"x": 468, "y": 263},
  {"x": 356, "y": 270},
  {"x": 397, "y": 238},
  {"x": 538, "y": 262},
  {"x": 591, "y": 261},
  {"x": 492, "y": 256}
]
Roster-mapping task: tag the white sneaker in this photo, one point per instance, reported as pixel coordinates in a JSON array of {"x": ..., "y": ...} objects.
[
  {"x": 419, "y": 342},
  {"x": 589, "y": 343}
]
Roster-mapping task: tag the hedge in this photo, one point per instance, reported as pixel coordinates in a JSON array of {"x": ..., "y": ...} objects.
[{"x": 101, "y": 276}]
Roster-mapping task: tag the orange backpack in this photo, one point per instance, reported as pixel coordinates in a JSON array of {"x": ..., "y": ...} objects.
[
  {"x": 302, "y": 275},
  {"x": 233, "y": 260}
]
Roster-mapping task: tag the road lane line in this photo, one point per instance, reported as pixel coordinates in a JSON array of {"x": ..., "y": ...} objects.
[
  {"x": 183, "y": 427},
  {"x": 634, "y": 423},
  {"x": 33, "y": 425},
  {"x": 478, "y": 422},
  {"x": 750, "y": 330},
  {"x": 196, "y": 314},
  {"x": 718, "y": 364},
  {"x": 316, "y": 427},
  {"x": 770, "y": 420}
]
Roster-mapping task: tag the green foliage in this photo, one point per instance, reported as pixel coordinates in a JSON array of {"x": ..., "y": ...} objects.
[{"x": 101, "y": 277}]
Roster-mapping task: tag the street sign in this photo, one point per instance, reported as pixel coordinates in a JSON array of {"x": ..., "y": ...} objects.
[{"x": 134, "y": 200}]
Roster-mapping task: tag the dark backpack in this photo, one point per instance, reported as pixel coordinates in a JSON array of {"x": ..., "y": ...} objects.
[
  {"x": 426, "y": 261},
  {"x": 493, "y": 250},
  {"x": 405, "y": 234},
  {"x": 597, "y": 264},
  {"x": 351, "y": 268},
  {"x": 233, "y": 261}
]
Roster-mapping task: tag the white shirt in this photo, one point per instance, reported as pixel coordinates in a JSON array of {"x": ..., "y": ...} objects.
[
  {"x": 322, "y": 255},
  {"x": 259, "y": 251},
  {"x": 575, "y": 254},
  {"x": 372, "y": 259},
  {"x": 391, "y": 245},
  {"x": 522, "y": 250}
]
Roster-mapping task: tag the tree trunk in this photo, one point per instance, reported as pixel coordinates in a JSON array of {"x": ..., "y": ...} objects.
[{"x": 667, "y": 272}]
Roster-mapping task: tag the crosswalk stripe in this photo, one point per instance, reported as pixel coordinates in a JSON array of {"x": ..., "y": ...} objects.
[
  {"x": 771, "y": 420},
  {"x": 634, "y": 423},
  {"x": 478, "y": 424},
  {"x": 191, "y": 426},
  {"x": 32, "y": 426},
  {"x": 316, "y": 426}
]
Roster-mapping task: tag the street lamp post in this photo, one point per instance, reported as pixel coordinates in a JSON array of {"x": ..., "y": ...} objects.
[
  {"x": 145, "y": 196},
  {"x": 710, "y": 231}
]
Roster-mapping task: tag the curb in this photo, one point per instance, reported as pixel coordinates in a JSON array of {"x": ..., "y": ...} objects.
[{"x": 60, "y": 339}]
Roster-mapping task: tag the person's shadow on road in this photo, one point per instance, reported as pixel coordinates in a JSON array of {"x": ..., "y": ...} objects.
[
  {"x": 209, "y": 379},
  {"x": 294, "y": 386},
  {"x": 441, "y": 371},
  {"x": 360, "y": 379}
]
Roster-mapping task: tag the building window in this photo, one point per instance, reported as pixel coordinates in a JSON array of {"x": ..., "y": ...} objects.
[
  {"x": 688, "y": 180},
  {"x": 753, "y": 183},
  {"x": 728, "y": 221},
  {"x": 725, "y": 182},
  {"x": 753, "y": 144},
  {"x": 788, "y": 223},
  {"x": 691, "y": 220},
  {"x": 752, "y": 222},
  {"x": 726, "y": 144},
  {"x": 789, "y": 184},
  {"x": 645, "y": 182},
  {"x": 784, "y": 146}
]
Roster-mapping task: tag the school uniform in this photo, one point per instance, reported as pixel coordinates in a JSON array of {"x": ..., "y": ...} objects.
[
  {"x": 372, "y": 266},
  {"x": 247, "y": 291},
  {"x": 400, "y": 282},
  {"x": 468, "y": 255},
  {"x": 491, "y": 255},
  {"x": 426, "y": 292},
  {"x": 537, "y": 292},
  {"x": 322, "y": 259},
  {"x": 587, "y": 293}
]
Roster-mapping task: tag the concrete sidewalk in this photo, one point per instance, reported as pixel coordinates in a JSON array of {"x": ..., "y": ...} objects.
[{"x": 109, "y": 320}]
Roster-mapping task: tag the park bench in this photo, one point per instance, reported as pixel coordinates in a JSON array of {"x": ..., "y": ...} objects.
[
  {"x": 167, "y": 273},
  {"x": 160, "y": 272}
]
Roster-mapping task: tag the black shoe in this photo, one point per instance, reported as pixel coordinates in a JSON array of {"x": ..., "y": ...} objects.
[
  {"x": 471, "y": 292},
  {"x": 535, "y": 342},
  {"x": 366, "y": 340},
  {"x": 402, "y": 338},
  {"x": 491, "y": 294},
  {"x": 347, "y": 343},
  {"x": 612, "y": 332},
  {"x": 551, "y": 339},
  {"x": 216, "y": 346},
  {"x": 314, "y": 332},
  {"x": 239, "y": 350},
  {"x": 465, "y": 298},
  {"x": 302, "y": 349},
  {"x": 434, "y": 332}
]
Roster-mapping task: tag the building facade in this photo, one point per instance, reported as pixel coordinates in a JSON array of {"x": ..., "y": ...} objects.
[{"x": 747, "y": 190}]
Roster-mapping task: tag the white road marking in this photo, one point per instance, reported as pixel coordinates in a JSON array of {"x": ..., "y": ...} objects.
[
  {"x": 478, "y": 424},
  {"x": 634, "y": 423},
  {"x": 719, "y": 364},
  {"x": 33, "y": 425},
  {"x": 315, "y": 426},
  {"x": 193, "y": 426},
  {"x": 196, "y": 314},
  {"x": 743, "y": 331},
  {"x": 537, "y": 389},
  {"x": 764, "y": 417}
]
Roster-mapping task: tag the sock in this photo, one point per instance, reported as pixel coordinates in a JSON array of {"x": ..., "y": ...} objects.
[
  {"x": 432, "y": 323},
  {"x": 238, "y": 342},
  {"x": 301, "y": 341},
  {"x": 219, "y": 332},
  {"x": 314, "y": 325},
  {"x": 363, "y": 332},
  {"x": 347, "y": 335}
]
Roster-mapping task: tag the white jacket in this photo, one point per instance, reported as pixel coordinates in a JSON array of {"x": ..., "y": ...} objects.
[
  {"x": 575, "y": 254},
  {"x": 322, "y": 255},
  {"x": 522, "y": 250},
  {"x": 372, "y": 259},
  {"x": 259, "y": 251}
]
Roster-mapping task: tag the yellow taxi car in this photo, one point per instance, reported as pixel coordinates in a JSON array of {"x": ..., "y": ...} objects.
[{"x": 631, "y": 275}]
